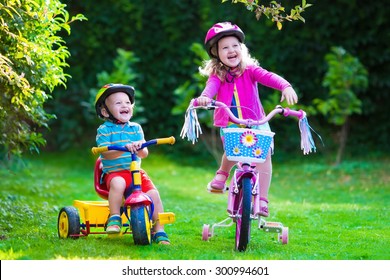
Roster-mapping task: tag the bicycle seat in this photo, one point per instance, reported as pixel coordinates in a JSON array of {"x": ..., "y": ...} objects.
[{"x": 100, "y": 188}]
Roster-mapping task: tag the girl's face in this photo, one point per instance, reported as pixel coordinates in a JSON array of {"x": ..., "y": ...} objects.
[
  {"x": 229, "y": 51},
  {"x": 120, "y": 107}
]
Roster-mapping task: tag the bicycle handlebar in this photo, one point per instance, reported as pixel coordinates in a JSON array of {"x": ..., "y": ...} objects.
[
  {"x": 300, "y": 114},
  {"x": 159, "y": 141},
  {"x": 191, "y": 128}
]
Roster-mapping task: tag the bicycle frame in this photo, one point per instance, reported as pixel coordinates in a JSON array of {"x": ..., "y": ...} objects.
[{"x": 243, "y": 206}]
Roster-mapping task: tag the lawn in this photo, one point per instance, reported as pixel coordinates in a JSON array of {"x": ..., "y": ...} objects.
[{"x": 333, "y": 213}]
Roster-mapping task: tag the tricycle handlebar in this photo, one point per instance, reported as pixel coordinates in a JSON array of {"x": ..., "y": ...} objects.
[{"x": 159, "y": 141}]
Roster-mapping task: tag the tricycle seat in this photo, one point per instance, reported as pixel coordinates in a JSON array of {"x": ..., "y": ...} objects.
[{"x": 100, "y": 187}]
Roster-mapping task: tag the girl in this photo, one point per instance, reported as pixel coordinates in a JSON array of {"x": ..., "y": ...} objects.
[{"x": 233, "y": 77}]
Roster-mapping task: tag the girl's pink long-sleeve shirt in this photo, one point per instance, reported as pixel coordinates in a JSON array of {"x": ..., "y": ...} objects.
[{"x": 247, "y": 90}]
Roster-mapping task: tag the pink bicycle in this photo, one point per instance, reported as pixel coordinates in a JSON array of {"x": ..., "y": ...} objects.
[{"x": 246, "y": 146}]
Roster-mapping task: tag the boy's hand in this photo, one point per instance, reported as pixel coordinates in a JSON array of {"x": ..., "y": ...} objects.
[
  {"x": 289, "y": 95},
  {"x": 134, "y": 147}
]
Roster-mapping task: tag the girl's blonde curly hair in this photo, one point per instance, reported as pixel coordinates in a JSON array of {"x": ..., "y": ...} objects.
[{"x": 214, "y": 66}]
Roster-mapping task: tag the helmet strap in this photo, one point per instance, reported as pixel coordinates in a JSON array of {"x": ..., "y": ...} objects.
[
  {"x": 231, "y": 73},
  {"x": 110, "y": 116}
]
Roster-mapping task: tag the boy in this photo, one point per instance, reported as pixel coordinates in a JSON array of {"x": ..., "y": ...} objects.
[{"x": 115, "y": 104}]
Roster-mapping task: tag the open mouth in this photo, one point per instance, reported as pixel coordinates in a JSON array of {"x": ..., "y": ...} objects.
[{"x": 124, "y": 112}]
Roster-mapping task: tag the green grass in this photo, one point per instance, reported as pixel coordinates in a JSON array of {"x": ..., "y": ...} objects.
[{"x": 333, "y": 213}]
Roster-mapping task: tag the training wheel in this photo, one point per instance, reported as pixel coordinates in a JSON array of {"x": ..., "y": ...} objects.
[
  {"x": 206, "y": 232},
  {"x": 283, "y": 236}
]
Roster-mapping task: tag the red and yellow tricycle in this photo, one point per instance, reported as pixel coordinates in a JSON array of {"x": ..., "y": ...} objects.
[{"x": 90, "y": 217}]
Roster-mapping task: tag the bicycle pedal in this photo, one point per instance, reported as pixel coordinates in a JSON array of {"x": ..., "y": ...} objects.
[
  {"x": 273, "y": 224},
  {"x": 115, "y": 235},
  {"x": 216, "y": 191}
]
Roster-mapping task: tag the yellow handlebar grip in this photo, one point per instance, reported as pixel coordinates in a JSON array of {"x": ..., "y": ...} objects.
[
  {"x": 98, "y": 150},
  {"x": 169, "y": 140}
]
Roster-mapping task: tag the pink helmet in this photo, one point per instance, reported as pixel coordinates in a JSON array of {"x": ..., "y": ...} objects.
[{"x": 219, "y": 30}]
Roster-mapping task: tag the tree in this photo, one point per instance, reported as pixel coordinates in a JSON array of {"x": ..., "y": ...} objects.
[
  {"x": 345, "y": 77},
  {"x": 32, "y": 62}
]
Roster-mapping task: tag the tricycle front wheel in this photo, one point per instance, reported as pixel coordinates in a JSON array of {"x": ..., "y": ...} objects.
[
  {"x": 68, "y": 223},
  {"x": 140, "y": 225}
]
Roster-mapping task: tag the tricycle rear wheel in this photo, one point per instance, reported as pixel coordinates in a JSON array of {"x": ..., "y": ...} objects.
[{"x": 68, "y": 223}]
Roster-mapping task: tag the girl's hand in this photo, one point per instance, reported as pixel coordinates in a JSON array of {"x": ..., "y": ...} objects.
[
  {"x": 203, "y": 100},
  {"x": 289, "y": 95}
]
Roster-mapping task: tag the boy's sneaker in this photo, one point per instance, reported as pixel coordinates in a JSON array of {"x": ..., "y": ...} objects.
[{"x": 114, "y": 224}]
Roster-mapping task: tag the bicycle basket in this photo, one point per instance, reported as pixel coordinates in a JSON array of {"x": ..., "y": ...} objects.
[{"x": 247, "y": 145}]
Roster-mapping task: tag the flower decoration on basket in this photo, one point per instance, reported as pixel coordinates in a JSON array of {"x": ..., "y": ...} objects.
[
  {"x": 248, "y": 138},
  {"x": 236, "y": 151},
  {"x": 257, "y": 152}
]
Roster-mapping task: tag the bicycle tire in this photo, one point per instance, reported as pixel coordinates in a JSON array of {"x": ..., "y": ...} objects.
[
  {"x": 140, "y": 225},
  {"x": 243, "y": 222}
]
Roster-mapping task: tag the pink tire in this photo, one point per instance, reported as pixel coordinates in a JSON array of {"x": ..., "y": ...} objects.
[
  {"x": 283, "y": 236},
  {"x": 206, "y": 232}
]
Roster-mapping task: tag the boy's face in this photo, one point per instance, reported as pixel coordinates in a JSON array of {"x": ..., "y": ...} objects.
[
  {"x": 120, "y": 107},
  {"x": 229, "y": 51}
]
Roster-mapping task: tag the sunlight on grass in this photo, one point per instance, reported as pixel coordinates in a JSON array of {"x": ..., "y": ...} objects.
[{"x": 10, "y": 255}]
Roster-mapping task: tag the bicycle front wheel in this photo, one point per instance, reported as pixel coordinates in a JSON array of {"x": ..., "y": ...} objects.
[
  {"x": 243, "y": 221},
  {"x": 140, "y": 225}
]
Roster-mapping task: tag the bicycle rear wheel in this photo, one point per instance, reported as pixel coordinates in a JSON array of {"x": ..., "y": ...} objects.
[
  {"x": 140, "y": 225},
  {"x": 243, "y": 221}
]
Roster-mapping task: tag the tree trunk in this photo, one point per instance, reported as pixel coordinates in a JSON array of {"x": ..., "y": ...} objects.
[
  {"x": 342, "y": 141},
  {"x": 213, "y": 143}
]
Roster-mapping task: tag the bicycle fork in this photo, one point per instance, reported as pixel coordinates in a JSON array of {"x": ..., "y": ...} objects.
[{"x": 244, "y": 171}]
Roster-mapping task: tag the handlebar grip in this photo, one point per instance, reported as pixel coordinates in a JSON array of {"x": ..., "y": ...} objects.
[
  {"x": 99, "y": 150},
  {"x": 289, "y": 112},
  {"x": 168, "y": 140},
  {"x": 195, "y": 103}
]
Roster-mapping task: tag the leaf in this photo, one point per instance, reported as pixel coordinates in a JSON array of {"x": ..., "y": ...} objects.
[{"x": 279, "y": 25}]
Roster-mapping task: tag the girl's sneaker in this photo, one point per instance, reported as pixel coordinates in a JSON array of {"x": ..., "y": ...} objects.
[
  {"x": 114, "y": 224},
  {"x": 264, "y": 207},
  {"x": 218, "y": 186}
]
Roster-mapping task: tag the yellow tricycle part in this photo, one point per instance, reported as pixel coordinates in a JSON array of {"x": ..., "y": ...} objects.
[
  {"x": 95, "y": 212},
  {"x": 169, "y": 140},
  {"x": 166, "y": 218},
  {"x": 115, "y": 235},
  {"x": 99, "y": 150}
]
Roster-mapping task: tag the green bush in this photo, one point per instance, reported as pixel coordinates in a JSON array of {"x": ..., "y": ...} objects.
[{"x": 32, "y": 62}]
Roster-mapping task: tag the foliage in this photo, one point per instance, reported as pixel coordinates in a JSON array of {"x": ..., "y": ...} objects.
[
  {"x": 161, "y": 36},
  {"x": 123, "y": 73},
  {"x": 332, "y": 213},
  {"x": 191, "y": 88},
  {"x": 345, "y": 78},
  {"x": 32, "y": 62},
  {"x": 275, "y": 11}
]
